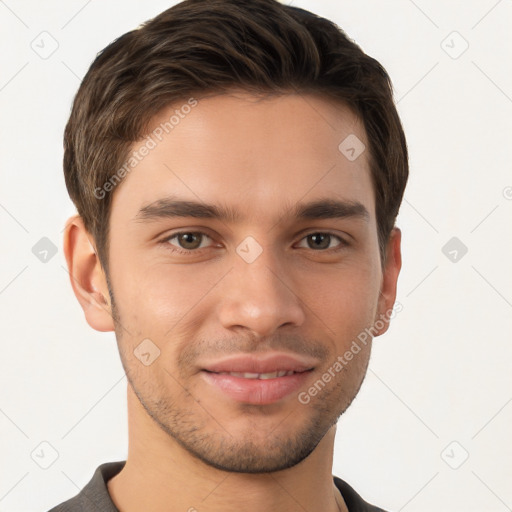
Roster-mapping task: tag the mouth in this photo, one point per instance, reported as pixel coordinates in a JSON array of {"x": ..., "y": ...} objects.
[
  {"x": 256, "y": 388},
  {"x": 261, "y": 376},
  {"x": 269, "y": 365},
  {"x": 258, "y": 378}
]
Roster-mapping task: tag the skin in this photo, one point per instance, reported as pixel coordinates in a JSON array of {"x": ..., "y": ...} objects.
[{"x": 191, "y": 447}]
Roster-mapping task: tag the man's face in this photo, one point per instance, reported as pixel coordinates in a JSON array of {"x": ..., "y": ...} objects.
[{"x": 267, "y": 283}]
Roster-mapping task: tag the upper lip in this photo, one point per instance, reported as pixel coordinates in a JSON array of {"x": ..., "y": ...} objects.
[{"x": 269, "y": 363}]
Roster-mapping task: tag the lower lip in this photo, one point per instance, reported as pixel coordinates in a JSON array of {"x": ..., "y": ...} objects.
[{"x": 256, "y": 391}]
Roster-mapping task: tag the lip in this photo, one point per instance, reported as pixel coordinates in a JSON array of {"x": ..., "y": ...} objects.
[
  {"x": 258, "y": 391},
  {"x": 272, "y": 362}
]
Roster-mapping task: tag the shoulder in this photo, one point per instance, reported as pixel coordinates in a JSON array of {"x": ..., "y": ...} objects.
[
  {"x": 354, "y": 502},
  {"x": 94, "y": 496}
]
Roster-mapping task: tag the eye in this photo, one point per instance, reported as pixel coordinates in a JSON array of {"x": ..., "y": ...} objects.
[
  {"x": 188, "y": 241},
  {"x": 321, "y": 241}
]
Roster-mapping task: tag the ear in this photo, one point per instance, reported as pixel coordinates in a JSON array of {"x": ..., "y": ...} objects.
[
  {"x": 87, "y": 276},
  {"x": 391, "y": 269}
]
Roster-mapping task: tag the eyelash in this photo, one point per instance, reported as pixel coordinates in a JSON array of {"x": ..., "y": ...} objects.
[{"x": 166, "y": 242}]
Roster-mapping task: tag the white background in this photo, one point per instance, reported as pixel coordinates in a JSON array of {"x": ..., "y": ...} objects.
[{"x": 443, "y": 371}]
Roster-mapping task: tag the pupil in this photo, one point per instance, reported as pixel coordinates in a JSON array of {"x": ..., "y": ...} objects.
[
  {"x": 320, "y": 238},
  {"x": 188, "y": 238}
]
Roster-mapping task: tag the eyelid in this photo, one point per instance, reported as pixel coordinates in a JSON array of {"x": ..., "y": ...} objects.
[
  {"x": 342, "y": 242},
  {"x": 167, "y": 239}
]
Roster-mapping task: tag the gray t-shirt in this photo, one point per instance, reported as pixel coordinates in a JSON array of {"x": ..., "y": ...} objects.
[{"x": 94, "y": 497}]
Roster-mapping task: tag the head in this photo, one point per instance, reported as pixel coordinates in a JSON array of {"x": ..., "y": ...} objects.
[{"x": 285, "y": 135}]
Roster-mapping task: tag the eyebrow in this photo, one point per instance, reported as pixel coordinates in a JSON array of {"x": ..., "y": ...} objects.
[{"x": 326, "y": 208}]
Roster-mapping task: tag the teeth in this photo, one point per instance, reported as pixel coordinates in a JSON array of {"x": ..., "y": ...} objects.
[{"x": 271, "y": 375}]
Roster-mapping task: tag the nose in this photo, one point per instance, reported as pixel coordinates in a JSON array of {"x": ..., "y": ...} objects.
[{"x": 260, "y": 297}]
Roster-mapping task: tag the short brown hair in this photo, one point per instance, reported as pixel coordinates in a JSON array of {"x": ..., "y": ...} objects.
[{"x": 199, "y": 47}]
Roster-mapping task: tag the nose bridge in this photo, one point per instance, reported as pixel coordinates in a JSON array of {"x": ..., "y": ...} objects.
[{"x": 258, "y": 294}]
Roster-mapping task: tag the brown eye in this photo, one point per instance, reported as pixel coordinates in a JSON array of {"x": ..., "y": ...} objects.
[
  {"x": 187, "y": 240},
  {"x": 319, "y": 241},
  {"x": 322, "y": 241}
]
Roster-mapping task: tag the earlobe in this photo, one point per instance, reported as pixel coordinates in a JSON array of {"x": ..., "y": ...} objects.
[
  {"x": 86, "y": 274},
  {"x": 387, "y": 295}
]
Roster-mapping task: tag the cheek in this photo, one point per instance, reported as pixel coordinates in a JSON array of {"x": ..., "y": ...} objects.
[
  {"x": 342, "y": 303},
  {"x": 153, "y": 298}
]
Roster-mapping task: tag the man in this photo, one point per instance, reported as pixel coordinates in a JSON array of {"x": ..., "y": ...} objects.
[{"x": 237, "y": 168}]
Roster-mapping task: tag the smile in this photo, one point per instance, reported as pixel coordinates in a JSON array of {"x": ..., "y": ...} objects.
[
  {"x": 269, "y": 375},
  {"x": 256, "y": 388}
]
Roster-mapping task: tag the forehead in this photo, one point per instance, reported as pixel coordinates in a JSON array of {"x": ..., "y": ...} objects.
[{"x": 255, "y": 154}]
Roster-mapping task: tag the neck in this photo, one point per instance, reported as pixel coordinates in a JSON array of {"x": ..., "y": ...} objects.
[{"x": 160, "y": 475}]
